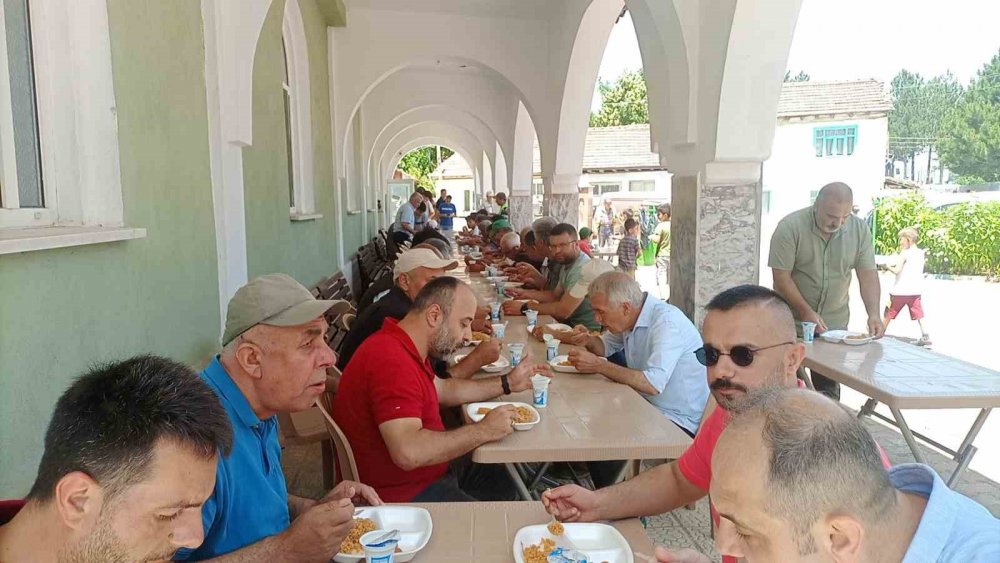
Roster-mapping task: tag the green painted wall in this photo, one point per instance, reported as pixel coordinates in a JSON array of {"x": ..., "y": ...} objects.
[
  {"x": 305, "y": 250},
  {"x": 61, "y": 310}
]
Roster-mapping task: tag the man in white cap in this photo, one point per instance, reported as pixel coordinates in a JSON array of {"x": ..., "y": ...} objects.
[
  {"x": 658, "y": 342},
  {"x": 489, "y": 207},
  {"x": 274, "y": 359},
  {"x": 414, "y": 269}
]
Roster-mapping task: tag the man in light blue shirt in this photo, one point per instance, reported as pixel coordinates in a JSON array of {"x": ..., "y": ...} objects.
[
  {"x": 658, "y": 342},
  {"x": 796, "y": 475},
  {"x": 406, "y": 222}
]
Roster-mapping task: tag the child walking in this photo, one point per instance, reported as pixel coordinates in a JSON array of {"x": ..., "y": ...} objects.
[
  {"x": 909, "y": 270},
  {"x": 628, "y": 248}
]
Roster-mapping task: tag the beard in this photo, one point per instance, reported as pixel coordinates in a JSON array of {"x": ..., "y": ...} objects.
[
  {"x": 103, "y": 545},
  {"x": 733, "y": 401},
  {"x": 443, "y": 343}
]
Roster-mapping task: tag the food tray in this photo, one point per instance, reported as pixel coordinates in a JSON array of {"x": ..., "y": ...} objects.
[
  {"x": 414, "y": 525},
  {"x": 600, "y": 542},
  {"x": 474, "y": 416}
]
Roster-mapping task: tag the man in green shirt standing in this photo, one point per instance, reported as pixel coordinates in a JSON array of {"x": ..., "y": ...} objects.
[
  {"x": 813, "y": 251},
  {"x": 661, "y": 238}
]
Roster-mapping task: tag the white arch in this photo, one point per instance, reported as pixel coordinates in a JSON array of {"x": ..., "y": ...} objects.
[
  {"x": 500, "y": 182},
  {"x": 429, "y": 129},
  {"x": 524, "y": 153}
]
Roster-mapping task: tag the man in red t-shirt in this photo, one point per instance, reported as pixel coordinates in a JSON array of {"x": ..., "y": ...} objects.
[
  {"x": 750, "y": 344},
  {"x": 389, "y": 400}
]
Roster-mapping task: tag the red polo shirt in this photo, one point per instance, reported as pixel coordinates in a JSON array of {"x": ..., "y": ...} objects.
[
  {"x": 9, "y": 509},
  {"x": 387, "y": 379}
]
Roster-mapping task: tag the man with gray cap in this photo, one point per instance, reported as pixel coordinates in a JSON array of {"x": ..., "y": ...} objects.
[
  {"x": 274, "y": 360},
  {"x": 414, "y": 269}
]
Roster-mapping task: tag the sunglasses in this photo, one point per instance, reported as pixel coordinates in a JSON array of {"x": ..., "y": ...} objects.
[{"x": 742, "y": 356}]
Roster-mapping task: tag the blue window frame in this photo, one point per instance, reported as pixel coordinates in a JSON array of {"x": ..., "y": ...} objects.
[{"x": 835, "y": 141}]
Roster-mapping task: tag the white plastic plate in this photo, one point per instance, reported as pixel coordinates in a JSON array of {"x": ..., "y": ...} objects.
[
  {"x": 554, "y": 362},
  {"x": 495, "y": 279},
  {"x": 558, "y": 327},
  {"x": 497, "y": 366},
  {"x": 600, "y": 542},
  {"x": 513, "y": 285},
  {"x": 414, "y": 524},
  {"x": 472, "y": 408},
  {"x": 841, "y": 336}
]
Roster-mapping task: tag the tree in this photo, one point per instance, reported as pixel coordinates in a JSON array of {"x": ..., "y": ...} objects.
[
  {"x": 800, "y": 77},
  {"x": 420, "y": 163},
  {"x": 971, "y": 131},
  {"x": 623, "y": 102},
  {"x": 918, "y": 110}
]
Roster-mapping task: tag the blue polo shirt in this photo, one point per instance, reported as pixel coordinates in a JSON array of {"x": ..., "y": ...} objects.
[
  {"x": 250, "y": 501},
  {"x": 953, "y": 527}
]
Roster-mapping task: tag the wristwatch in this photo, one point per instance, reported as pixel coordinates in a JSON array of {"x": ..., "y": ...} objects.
[
  {"x": 506, "y": 384},
  {"x": 524, "y": 307}
]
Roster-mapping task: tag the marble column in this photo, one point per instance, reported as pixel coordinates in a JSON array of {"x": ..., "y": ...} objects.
[
  {"x": 562, "y": 198},
  {"x": 715, "y": 242},
  {"x": 520, "y": 210}
]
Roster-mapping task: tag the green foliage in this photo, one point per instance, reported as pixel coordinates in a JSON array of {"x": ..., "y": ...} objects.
[
  {"x": 971, "y": 131},
  {"x": 623, "y": 102},
  {"x": 419, "y": 163},
  {"x": 919, "y": 107},
  {"x": 962, "y": 239},
  {"x": 800, "y": 77}
]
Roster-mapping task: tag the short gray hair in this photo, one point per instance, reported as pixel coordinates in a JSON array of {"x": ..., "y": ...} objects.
[
  {"x": 510, "y": 240},
  {"x": 618, "y": 288},
  {"x": 542, "y": 227},
  {"x": 821, "y": 460}
]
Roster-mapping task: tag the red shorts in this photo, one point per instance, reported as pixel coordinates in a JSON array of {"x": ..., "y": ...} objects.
[{"x": 897, "y": 302}]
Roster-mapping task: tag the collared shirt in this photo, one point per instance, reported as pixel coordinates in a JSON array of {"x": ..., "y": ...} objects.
[
  {"x": 821, "y": 269},
  {"x": 953, "y": 527},
  {"x": 388, "y": 380},
  {"x": 569, "y": 275},
  {"x": 662, "y": 345},
  {"x": 406, "y": 214},
  {"x": 250, "y": 500},
  {"x": 395, "y": 304},
  {"x": 448, "y": 211}
]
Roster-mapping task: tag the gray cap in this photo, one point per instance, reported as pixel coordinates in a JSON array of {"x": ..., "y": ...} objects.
[{"x": 276, "y": 300}]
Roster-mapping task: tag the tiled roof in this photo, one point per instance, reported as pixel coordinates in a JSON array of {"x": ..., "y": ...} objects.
[
  {"x": 799, "y": 99},
  {"x": 627, "y": 147}
]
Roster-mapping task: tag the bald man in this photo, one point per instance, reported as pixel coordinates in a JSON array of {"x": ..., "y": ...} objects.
[
  {"x": 798, "y": 478},
  {"x": 510, "y": 245},
  {"x": 813, "y": 251}
]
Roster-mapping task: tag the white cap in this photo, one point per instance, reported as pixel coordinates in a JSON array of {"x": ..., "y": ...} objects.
[
  {"x": 588, "y": 273},
  {"x": 421, "y": 258}
]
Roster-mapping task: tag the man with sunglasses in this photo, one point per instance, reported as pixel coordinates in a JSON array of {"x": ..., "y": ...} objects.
[{"x": 749, "y": 343}]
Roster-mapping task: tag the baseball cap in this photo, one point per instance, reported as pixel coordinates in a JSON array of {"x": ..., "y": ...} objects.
[
  {"x": 500, "y": 224},
  {"x": 421, "y": 258},
  {"x": 588, "y": 273},
  {"x": 275, "y": 300}
]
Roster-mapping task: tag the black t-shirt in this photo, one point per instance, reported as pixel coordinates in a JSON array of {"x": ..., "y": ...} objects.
[{"x": 395, "y": 305}]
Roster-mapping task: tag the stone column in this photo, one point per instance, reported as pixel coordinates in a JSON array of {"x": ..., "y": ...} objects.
[
  {"x": 562, "y": 197},
  {"x": 520, "y": 210},
  {"x": 715, "y": 228}
]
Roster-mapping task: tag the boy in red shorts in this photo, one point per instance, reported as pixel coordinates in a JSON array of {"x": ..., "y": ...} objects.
[{"x": 909, "y": 270}]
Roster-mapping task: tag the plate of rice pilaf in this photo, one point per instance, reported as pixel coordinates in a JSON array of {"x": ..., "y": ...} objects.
[{"x": 414, "y": 524}]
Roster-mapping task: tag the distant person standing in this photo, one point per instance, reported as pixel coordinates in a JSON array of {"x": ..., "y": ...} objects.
[
  {"x": 421, "y": 217},
  {"x": 661, "y": 238},
  {"x": 586, "y": 235},
  {"x": 489, "y": 206},
  {"x": 813, "y": 251},
  {"x": 909, "y": 270},
  {"x": 504, "y": 205},
  {"x": 441, "y": 199},
  {"x": 447, "y": 212},
  {"x": 604, "y": 219},
  {"x": 628, "y": 248}
]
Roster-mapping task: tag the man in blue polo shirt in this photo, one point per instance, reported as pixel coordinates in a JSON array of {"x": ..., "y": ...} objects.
[
  {"x": 447, "y": 210},
  {"x": 274, "y": 359}
]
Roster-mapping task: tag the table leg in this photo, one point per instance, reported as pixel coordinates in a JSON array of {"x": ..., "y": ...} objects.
[
  {"x": 967, "y": 450},
  {"x": 867, "y": 409},
  {"x": 518, "y": 482},
  {"x": 907, "y": 434},
  {"x": 538, "y": 476}
]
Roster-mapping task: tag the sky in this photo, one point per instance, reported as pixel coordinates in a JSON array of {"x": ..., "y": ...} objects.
[{"x": 848, "y": 39}]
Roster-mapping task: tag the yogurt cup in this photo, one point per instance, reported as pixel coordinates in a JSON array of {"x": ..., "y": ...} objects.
[
  {"x": 381, "y": 552},
  {"x": 499, "y": 329},
  {"x": 540, "y": 391},
  {"x": 495, "y": 310},
  {"x": 808, "y": 332},
  {"x": 516, "y": 353},
  {"x": 552, "y": 349},
  {"x": 532, "y": 316}
]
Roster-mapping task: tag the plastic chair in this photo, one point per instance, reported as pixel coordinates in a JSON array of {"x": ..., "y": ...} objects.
[
  {"x": 348, "y": 468},
  {"x": 308, "y": 427}
]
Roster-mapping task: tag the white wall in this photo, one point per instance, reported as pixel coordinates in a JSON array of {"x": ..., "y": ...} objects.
[{"x": 661, "y": 177}]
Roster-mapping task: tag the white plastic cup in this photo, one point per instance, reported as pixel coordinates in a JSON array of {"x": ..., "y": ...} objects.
[
  {"x": 808, "y": 332},
  {"x": 495, "y": 310},
  {"x": 547, "y": 337},
  {"x": 532, "y": 316},
  {"x": 379, "y": 553},
  {"x": 540, "y": 391},
  {"x": 516, "y": 352},
  {"x": 499, "y": 329},
  {"x": 552, "y": 349}
]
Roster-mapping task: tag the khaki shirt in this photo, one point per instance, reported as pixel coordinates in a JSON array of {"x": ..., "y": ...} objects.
[{"x": 821, "y": 269}]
